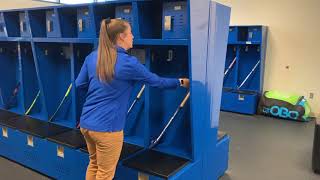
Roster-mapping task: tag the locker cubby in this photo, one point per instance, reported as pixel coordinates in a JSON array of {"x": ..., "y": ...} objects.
[
  {"x": 150, "y": 20},
  {"x": 136, "y": 119},
  {"x": 103, "y": 11},
  {"x": 12, "y": 23},
  {"x": 81, "y": 51},
  {"x": 170, "y": 62},
  {"x": 68, "y": 22},
  {"x": 38, "y": 23},
  {"x": 10, "y": 78},
  {"x": 243, "y": 83},
  {"x": 242, "y": 33},
  {"x": 54, "y": 61},
  {"x": 231, "y": 74},
  {"x": 31, "y": 88},
  {"x": 249, "y": 57}
]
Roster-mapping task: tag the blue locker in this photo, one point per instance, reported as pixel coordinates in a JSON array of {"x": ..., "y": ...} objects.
[
  {"x": 24, "y": 28},
  {"x": 3, "y": 29},
  {"x": 175, "y": 20},
  {"x": 85, "y": 23},
  {"x": 52, "y": 24},
  {"x": 168, "y": 40},
  {"x": 243, "y": 83}
]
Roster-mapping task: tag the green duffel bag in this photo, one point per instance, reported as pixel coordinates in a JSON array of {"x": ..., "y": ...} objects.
[{"x": 282, "y": 105}]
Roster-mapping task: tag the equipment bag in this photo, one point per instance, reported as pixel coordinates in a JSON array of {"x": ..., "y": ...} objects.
[{"x": 278, "y": 104}]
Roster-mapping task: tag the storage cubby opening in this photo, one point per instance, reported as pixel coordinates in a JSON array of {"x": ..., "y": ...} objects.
[
  {"x": 81, "y": 51},
  {"x": 30, "y": 80},
  {"x": 230, "y": 67},
  {"x": 135, "y": 123},
  {"x": 55, "y": 74},
  {"x": 12, "y": 23},
  {"x": 10, "y": 82},
  {"x": 103, "y": 11},
  {"x": 38, "y": 23},
  {"x": 68, "y": 22},
  {"x": 150, "y": 19},
  {"x": 242, "y": 33},
  {"x": 170, "y": 62},
  {"x": 249, "y": 57}
]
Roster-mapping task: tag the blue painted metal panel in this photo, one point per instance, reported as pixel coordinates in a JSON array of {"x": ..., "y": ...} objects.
[
  {"x": 255, "y": 33},
  {"x": 219, "y": 18},
  {"x": 233, "y": 34},
  {"x": 65, "y": 163},
  {"x": 10, "y": 140},
  {"x": 239, "y": 102},
  {"x": 32, "y": 152},
  {"x": 24, "y": 28},
  {"x": 85, "y": 22},
  {"x": 175, "y": 20},
  {"x": 52, "y": 24}
]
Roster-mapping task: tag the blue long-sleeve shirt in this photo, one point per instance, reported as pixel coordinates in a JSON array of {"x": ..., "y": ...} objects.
[{"x": 106, "y": 104}]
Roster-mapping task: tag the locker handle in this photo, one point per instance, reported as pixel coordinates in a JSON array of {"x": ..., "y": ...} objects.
[
  {"x": 167, "y": 23},
  {"x": 80, "y": 25},
  {"x": 30, "y": 141},
  {"x": 5, "y": 132},
  {"x": 49, "y": 26},
  {"x": 60, "y": 151}
]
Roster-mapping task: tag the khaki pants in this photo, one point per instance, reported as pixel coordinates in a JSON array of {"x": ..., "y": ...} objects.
[{"x": 104, "y": 151}]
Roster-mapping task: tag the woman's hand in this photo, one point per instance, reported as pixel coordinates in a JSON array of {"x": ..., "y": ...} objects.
[{"x": 184, "y": 82}]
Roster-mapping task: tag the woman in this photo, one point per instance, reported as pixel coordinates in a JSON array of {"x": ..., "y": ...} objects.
[{"x": 109, "y": 74}]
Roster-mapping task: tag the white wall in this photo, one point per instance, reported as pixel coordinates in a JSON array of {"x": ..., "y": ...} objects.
[
  {"x": 294, "y": 41},
  {"x": 18, "y": 4}
]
